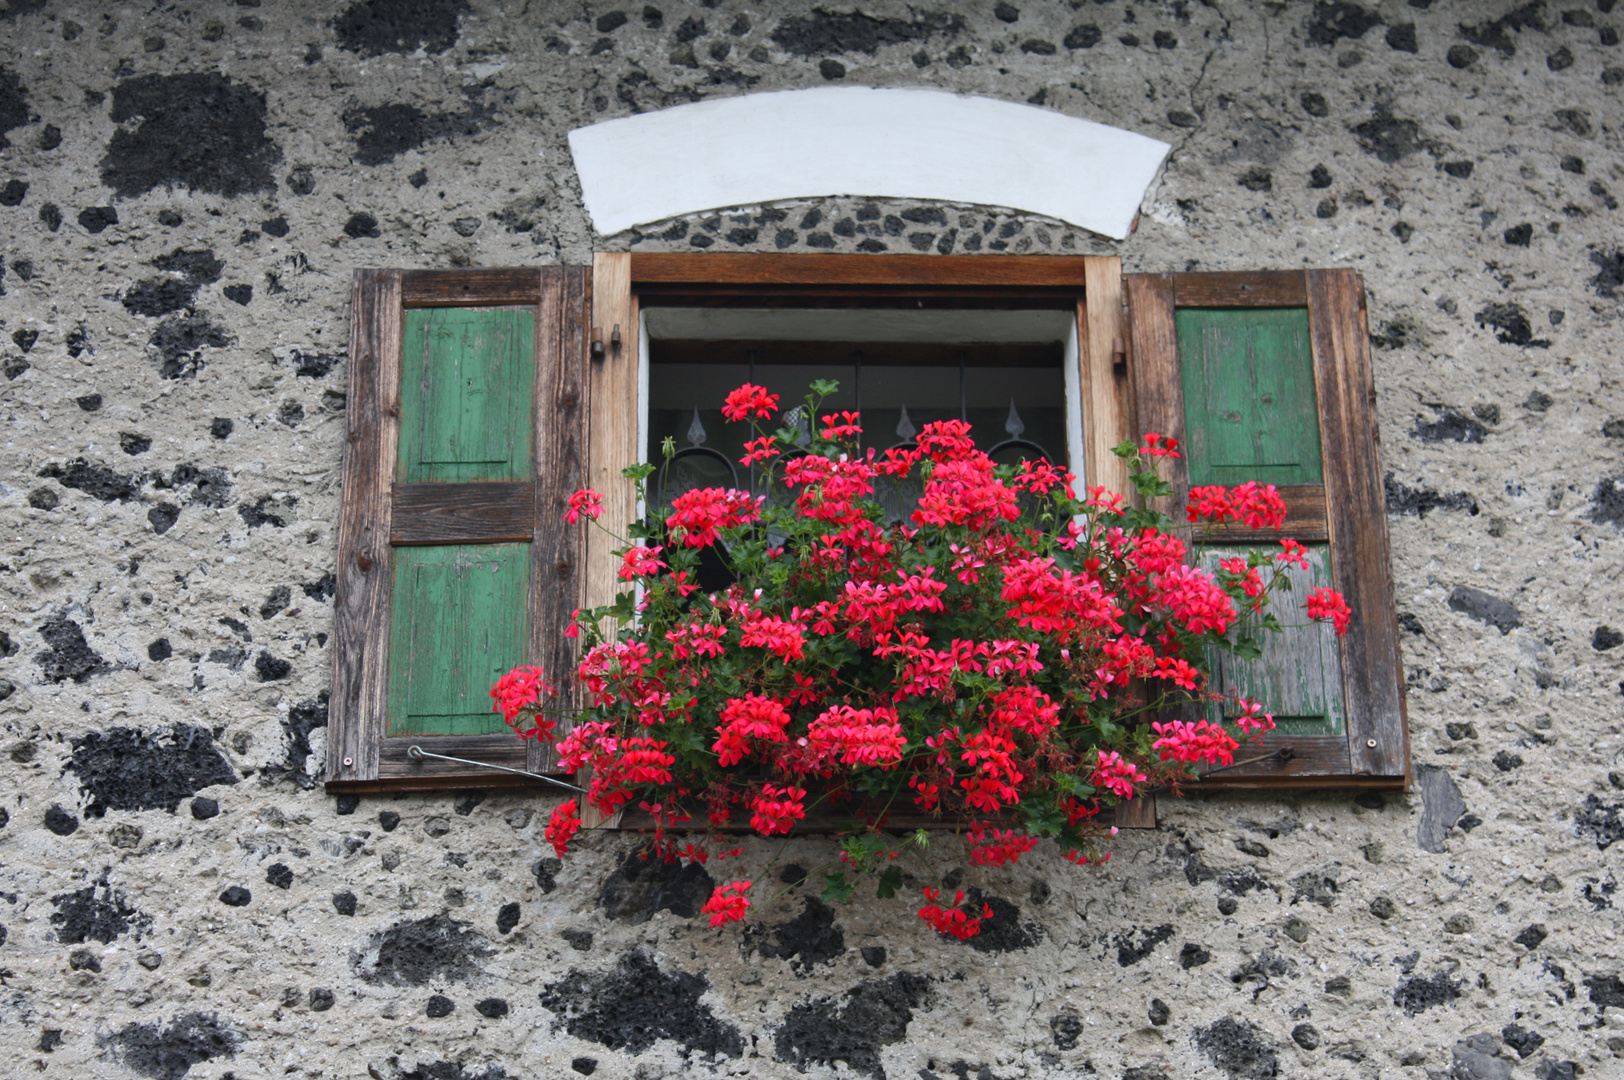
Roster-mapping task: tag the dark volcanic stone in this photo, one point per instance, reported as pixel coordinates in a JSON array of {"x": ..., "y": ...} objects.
[
  {"x": 160, "y": 650},
  {"x": 1417, "y": 995},
  {"x": 1331, "y": 22},
  {"x": 579, "y": 940},
  {"x": 93, "y": 479},
  {"x": 1401, "y": 38},
  {"x": 586, "y": 1066},
  {"x": 1158, "y": 1013},
  {"x": 374, "y": 27},
  {"x": 96, "y": 219},
  {"x": 43, "y": 499},
  {"x": 60, "y": 821},
  {"x": 1511, "y": 324},
  {"x": 13, "y": 101},
  {"x": 163, "y": 517},
  {"x": 1607, "y": 504},
  {"x": 1496, "y": 34},
  {"x": 822, "y": 32},
  {"x": 1606, "y": 638},
  {"x": 1610, "y": 272},
  {"x": 1238, "y": 1048},
  {"x": 280, "y": 875},
  {"x": 1452, "y": 426},
  {"x": 1066, "y": 1029},
  {"x": 1135, "y": 945},
  {"x": 492, "y": 1008},
  {"x": 1421, "y": 501},
  {"x": 302, "y": 719},
  {"x": 12, "y": 194},
  {"x": 439, "y": 1005},
  {"x": 1520, "y": 1039},
  {"x": 236, "y": 896},
  {"x": 1306, "y": 1036},
  {"x": 384, "y": 132},
  {"x": 238, "y": 294},
  {"x": 636, "y": 1003},
  {"x": 197, "y": 130},
  {"x": 221, "y": 427},
  {"x": 810, "y": 938},
  {"x": 1084, "y": 36},
  {"x": 1389, "y": 138},
  {"x": 1485, "y": 608},
  {"x": 69, "y": 656},
  {"x": 94, "y": 913},
  {"x": 361, "y": 224},
  {"x": 875, "y": 1014},
  {"x": 180, "y": 340},
  {"x": 168, "y": 1053},
  {"x": 644, "y": 884},
  {"x": 1532, "y": 936},
  {"x": 415, "y": 952},
  {"x": 313, "y": 365},
  {"x": 130, "y": 769},
  {"x": 388, "y": 820},
  {"x": 321, "y": 999},
  {"x": 507, "y": 917},
  {"x": 133, "y": 443},
  {"x": 344, "y": 902},
  {"x": 204, "y": 808},
  {"x": 1600, "y": 821}
]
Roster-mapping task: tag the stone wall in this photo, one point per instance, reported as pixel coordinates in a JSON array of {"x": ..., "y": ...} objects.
[{"x": 184, "y": 191}]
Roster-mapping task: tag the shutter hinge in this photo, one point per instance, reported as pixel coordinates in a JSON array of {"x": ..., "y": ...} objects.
[{"x": 1119, "y": 355}]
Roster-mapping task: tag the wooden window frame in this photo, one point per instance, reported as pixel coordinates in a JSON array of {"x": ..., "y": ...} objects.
[{"x": 587, "y": 430}]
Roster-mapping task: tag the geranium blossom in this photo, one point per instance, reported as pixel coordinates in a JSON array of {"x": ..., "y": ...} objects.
[
  {"x": 585, "y": 501},
  {"x": 562, "y": 827},
  {"x": 776, "y": 810},
  {"x": 953, "y": 920},
  {"x": 1327, "y": 603},
  {"x": 750, "y": 402},
  {"x": 727, "y": 903},
  {"x": 1116, "y": 775}
]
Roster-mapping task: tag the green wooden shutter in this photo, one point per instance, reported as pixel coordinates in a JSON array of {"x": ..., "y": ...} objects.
[
  {"x": 1266, "y": 376},
  {"x": 455, "y": 565}
]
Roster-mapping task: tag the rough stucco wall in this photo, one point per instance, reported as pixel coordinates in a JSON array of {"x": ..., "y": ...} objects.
[{"x": 184, "y": 194}]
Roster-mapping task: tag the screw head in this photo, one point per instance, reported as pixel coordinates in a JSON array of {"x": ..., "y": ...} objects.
[
  {"x": 1368, "y": 742},
  {"x": 351, "y": 761}
]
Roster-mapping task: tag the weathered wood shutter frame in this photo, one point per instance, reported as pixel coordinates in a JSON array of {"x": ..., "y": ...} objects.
[
  {"x": 1350, "y": 515},
  {"x": 379, "y": 514}
]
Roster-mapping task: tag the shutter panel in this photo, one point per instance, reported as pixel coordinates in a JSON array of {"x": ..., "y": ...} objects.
[
  {"x": 1267, "y": 377},
  {"x": 454, "y": 564}
]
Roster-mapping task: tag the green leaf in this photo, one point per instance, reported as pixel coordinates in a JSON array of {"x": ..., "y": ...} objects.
[
  {"x": 641, "y": 471},
  {"x": 890, "y": 882},
  {"x": 825, "y": 387},
  {"x": 1247, "y": 648},
  {"x": 836, "y": 889}
]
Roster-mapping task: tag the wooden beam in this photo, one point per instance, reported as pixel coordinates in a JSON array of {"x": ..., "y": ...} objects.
[
  {"x": 1106, "y": 405},
  {"x": 482, "y": 287},
  {"x": 956, "y": 271},
  {"x": 612, "y": 412},
  {"x": 360, "y": 684},
  {"x": 1373, "y": 672},
  {"x": 482, "y": 513},
  {"x": 1284, "y": 288},
  {"x": 1027, "y": 354}
]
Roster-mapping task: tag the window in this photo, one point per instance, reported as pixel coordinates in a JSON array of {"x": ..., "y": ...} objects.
[{"x": 480, "y": 398}]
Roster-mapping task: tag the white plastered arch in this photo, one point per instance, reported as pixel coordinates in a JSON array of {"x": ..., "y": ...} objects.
[{"x": 901, "y": 143}]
